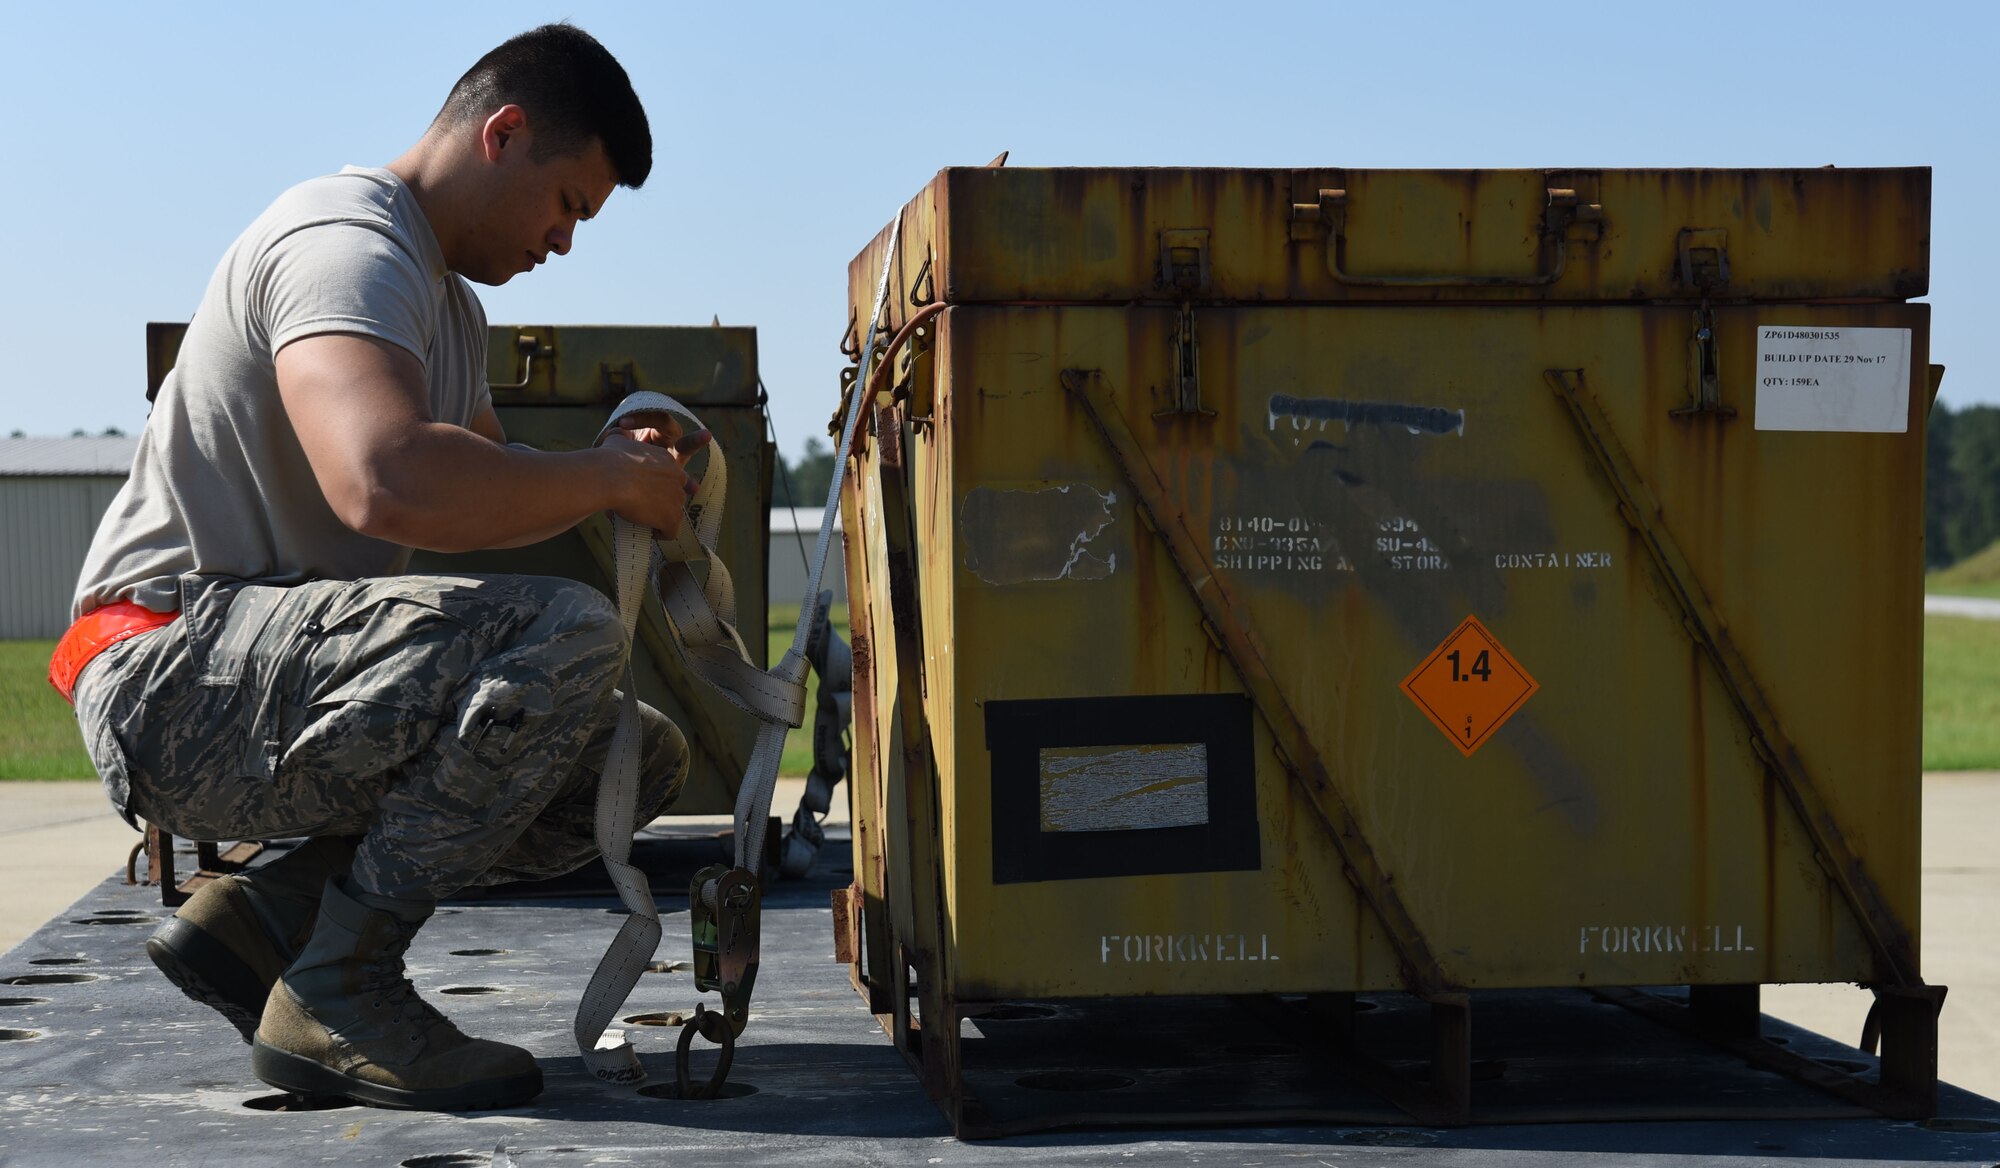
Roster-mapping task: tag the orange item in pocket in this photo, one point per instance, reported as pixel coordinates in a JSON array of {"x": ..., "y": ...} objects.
[{"x": 93, "y": 633}]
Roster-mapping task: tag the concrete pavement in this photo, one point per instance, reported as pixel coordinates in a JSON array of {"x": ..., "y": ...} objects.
[
  {"x": 1977, "y": 607},
  {"x": 58, "y": 840}
]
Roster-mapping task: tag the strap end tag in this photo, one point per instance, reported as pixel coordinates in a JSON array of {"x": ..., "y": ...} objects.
[{"x": 614, "y": 1060}]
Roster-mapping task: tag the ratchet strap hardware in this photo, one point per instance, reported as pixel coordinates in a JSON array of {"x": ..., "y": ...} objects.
[{"x": 695, "y": 591}]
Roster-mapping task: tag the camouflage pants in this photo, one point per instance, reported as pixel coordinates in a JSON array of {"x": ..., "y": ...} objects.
[{"x": 458, "y": 724}]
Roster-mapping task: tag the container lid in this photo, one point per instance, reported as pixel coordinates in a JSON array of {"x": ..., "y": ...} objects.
[{"x": 1088, "y": 235}]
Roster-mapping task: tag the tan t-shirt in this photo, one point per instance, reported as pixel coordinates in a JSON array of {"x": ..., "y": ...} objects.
[{"x": 220, "y": 485}]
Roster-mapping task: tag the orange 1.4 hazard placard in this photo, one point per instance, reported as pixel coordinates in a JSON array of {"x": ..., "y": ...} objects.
[{"x": 1469, "y": 686}]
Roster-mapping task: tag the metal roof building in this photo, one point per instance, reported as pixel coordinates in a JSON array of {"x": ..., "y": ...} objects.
[
  {"x": 794, "y": 531},
  {"x": 52, "y": 493}
]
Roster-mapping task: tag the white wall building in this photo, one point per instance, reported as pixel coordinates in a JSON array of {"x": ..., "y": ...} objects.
[
  {"x": 52, "y": 493},
  {"x": 794, "y": 534}
]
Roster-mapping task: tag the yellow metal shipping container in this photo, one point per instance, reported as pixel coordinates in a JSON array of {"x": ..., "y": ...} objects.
[{"x": 1321, "y": 581}]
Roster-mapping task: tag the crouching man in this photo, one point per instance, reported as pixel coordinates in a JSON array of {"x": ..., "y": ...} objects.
[{"x": 248, "y": 663}]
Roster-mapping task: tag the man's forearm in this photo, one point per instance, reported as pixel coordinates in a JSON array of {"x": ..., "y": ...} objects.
[{"x": 446, "y": 489}]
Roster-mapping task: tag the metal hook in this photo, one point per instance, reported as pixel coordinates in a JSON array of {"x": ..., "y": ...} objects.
[
  {"x": 850, "y": 341},
  {"x": 714, "y": 1027}
]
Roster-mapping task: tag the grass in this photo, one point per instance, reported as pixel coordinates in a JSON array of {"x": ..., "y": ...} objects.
[
  {"x": 38, "y": 737},
  {"x": 1936, "y": 587},
  {"x": 1976, "y": 575},
  {"x": 784, "y": 620},
  {"x": 1961, "y": 694}
]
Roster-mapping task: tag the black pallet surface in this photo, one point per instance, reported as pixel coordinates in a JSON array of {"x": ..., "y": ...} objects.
[{"x": 102, "y": 1061}]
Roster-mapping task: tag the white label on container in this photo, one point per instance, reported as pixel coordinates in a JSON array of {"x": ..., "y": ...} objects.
[
  {"x": 1124, "y": 788},
  {"x": 1818, "y": 378}
]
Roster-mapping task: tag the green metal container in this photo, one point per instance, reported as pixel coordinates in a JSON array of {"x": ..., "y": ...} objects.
[{"x": 553, "y": 387}]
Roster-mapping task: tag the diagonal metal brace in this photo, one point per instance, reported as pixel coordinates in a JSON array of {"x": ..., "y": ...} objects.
[
  {"x": 1296, "y": 750},
  {"x": 1888, "y": 937}
]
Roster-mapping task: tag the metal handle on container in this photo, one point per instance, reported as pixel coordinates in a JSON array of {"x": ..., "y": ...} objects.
[{"x": 1562, "y": 209}]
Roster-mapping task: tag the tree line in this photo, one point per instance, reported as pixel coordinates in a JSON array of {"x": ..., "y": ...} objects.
[
  {"x": 1961, "y": 484},
  {"x": 802, "y": 483}
]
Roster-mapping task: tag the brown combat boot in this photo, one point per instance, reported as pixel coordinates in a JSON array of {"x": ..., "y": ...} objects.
[
  {"x": 227, "y": 945},
  {"x": 344, "y": 1020}
]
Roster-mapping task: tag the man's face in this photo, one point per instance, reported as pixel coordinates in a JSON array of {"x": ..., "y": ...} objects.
[{"x": 534, "y": 208}]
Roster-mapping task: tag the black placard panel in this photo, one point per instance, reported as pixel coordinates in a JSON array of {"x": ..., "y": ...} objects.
[{"x": 1018, "y": 731}]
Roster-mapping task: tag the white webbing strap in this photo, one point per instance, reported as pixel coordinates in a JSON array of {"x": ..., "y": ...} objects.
[
  {"x": 753, "y": 799},
  {"x": 699, "y": 600}
]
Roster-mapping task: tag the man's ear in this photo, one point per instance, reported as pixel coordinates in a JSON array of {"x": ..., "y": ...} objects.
[{"x": 501, "y": 130}]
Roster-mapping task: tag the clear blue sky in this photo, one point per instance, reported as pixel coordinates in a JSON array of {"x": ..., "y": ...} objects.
[{"x": 142, "y": 139}]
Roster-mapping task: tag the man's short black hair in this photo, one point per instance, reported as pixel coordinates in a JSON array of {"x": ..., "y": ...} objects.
[{"x": 573, "y": 90}]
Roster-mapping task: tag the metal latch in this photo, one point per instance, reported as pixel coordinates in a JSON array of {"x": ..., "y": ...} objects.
[
  {"x": 1704, "y": 365},
  {"x": 1184, "y": 388},
  {"x": 1703, "y": 266},
  {"x": 1184, "y": 259}
]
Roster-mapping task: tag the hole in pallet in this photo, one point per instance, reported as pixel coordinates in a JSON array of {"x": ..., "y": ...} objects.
[
  {"x": 1959, "y": 1126},
  {"x": 1259, "y": 1049},
  {"x": 1388, "y": 1138},
  {"x": 477, "y": 952},
  {"x": 1482, "y": 1070},
  {"x": 23, "y": 1001},
  {"x": 1015, "y": 1012},
  {"x": 666, "y": 1018},
  {"x": 119, "y": 912},
  {"x": 118, "y": 920},
  {"x": 1073, "y": 1081},
  {"x": 448, "y": 1160},
  {"x": 18, "y": 1035},
  {"x": 1851, "y": 1066},
  {"x": 287, "y": 1101},
  {"x": 673, "y": 1091},
  {"x": 48, "y": 979},
  {"x": 60, "y": 961},
  {"x": 463, "y": 990},
  {"x": 1777, "y": 1040}
]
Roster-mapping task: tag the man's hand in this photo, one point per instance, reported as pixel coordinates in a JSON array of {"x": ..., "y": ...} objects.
[{"x": 654, "y": 457}]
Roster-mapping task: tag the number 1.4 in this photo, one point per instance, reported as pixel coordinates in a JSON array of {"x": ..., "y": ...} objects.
[{"x": 1481, "y": 667}]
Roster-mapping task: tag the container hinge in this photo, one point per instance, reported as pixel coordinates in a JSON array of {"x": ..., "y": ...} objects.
[
  {"x": 1184, "y": 391},
  {"x": 1704, "y": 259},
  {"x": 1313, "y": 220},
  {"x": 1573, "y": 214},
  {"x": 1704, "y": 366}
]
